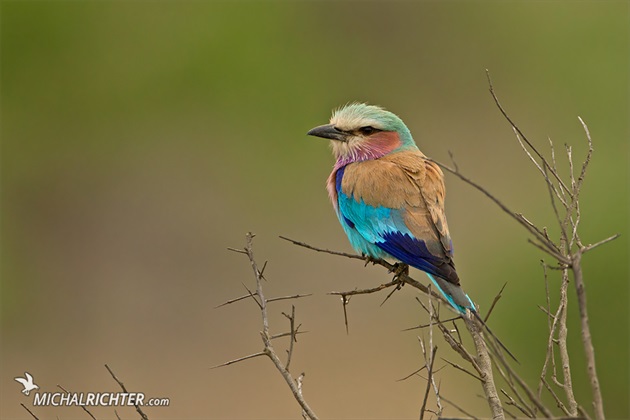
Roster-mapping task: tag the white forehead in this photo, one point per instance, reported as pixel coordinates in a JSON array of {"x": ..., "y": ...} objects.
[{"x": 355, "y": 116}]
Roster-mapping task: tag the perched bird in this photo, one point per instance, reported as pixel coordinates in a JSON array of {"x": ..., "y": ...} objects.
[{"x": 389, "y": 197}]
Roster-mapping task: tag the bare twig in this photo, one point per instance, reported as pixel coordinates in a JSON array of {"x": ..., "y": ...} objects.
[
  {"x": 82, "y": 406},
  {"x": 481, "y": 363},
  {"x": 485, "y": 369},
  {"x": 587, "y": 341},
  {"x": 429, "y": 360},
  {"x": 429, "y": 363},
  {"x": 559, "y": 403},
  {"x": 456, "y": 329},
  {"x": 291, "y": 319},
  {"x": 456, "y": 366},
  {"x": 510, "y": 382},
  {"x": 417, "y": 327},
  {"x": 494, "y": 302},
  {"x": 461, "y": 410},
  {"x": 415, "y": 372},
  {"x": 122, "y": 386},
  {"x": 394, "y": 290},
  {"x": 459, "y": 347},
  {"x": 567, "y": 384},
  {"x": 240, "y": 359},
  {"x": 565, "y": 254},
  {"x": 602, "y": 242},
  {"x": 438, "y": 397},
  {"x": 399, "y": 278},
  {"x": 288, "y": 334},
  {"x": 515, "y": 404},
  {"x": 455, "y": 344},
  {"x": 558, "y": 325},
  {"x": 523, "y": 385},
  {"x": 551, "y": 324},
  {"x": 29, "y": 411},
  {"x": 295, "y": 385},
  {"x": 228, "y": 302},
  {"x": 327, "y": 251},
  {"x": 547, "y": 245},
  {"x": 253, "y": 296},
  {"x": 298, "y": 296},
  {"x": 555, "y": 255},
  {"x": 543, "y": 170},
  {"x": 300, "y": 382},
  {"x": 518, "y": 130},
  {"x": 344, "y": 303},
  {"x": 368, "y": 291}
]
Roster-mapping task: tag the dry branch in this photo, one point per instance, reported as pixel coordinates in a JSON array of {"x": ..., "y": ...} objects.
[
  {"x": 295, "y": 385},
  {"x": 485, "y": 369},
  {"x": 567, "y": 251},
  {"x": 122, "y": 386},
  {"x": 570, "y": 250},
  {"x": 29, "y": 411},
  {"x": 82, "y": 406},
  {"x": 481, "y": 362}
]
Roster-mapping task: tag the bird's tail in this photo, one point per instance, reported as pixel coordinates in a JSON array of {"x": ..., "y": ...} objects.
[
  {"x": 453, "y": 295},
  {"x": 460, "y": 301}
]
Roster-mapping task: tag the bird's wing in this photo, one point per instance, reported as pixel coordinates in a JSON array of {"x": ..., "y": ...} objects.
[
  {"x": 397, "y": 203},
  {"x": 430, "y": 179},
  {"x": 22, "y": 381},
  {"x": 29, "y": 377}
]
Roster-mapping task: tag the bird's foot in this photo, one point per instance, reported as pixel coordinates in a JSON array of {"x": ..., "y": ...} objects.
[
  {"x": 372, "y": 260},
  {"x": 400, "y": 270}
]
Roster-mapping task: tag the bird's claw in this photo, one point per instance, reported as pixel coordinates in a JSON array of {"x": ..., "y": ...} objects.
[
  {"x": 399, "y": 270},
  {"x": 372, "y": 260}
]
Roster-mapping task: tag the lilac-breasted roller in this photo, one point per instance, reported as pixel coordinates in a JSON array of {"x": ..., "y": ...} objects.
[{"x": 389, "y": 197}]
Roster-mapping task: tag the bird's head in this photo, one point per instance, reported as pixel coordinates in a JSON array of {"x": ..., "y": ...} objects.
[{"x": 361, "y": 132}]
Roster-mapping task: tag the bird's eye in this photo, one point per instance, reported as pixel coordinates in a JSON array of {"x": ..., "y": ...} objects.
[{"x": 367, "y": 130}]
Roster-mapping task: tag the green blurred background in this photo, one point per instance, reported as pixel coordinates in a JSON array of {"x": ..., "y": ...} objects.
[{"x": 140, "y": 139}]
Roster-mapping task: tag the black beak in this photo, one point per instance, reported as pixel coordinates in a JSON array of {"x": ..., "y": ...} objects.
[{"x": 328, "y": 131}]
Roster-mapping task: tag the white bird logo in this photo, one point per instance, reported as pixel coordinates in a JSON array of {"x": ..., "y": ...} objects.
[{"x": 27, "y": 383}]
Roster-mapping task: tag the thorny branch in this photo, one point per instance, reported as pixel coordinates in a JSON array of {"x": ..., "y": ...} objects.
[
  {"x": 122, "y": 386},
  {"x": 400, "y": 278},
  {"x": 567, "y": 251},
  {"x": 82, "y": 406},
  {"x": 293, "y": 334},
  {"x": 29, "y": 411},
  {"x": 557, "y": 325},
  {"x": 485, "y": 369},
  {"x": 429, "y": 360},
  {"x": 570, "y": 250},
  {"x": 268, "y": 350},
  {"x": 481, "y": 362}
]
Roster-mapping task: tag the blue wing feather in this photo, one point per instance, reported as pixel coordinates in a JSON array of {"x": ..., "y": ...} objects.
[
  {"x": 381, "y": 232},
  {"x": 414, "y": 252}
]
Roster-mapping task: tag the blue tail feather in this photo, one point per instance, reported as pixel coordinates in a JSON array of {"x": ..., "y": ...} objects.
[{"x": 459, "y": 308}]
